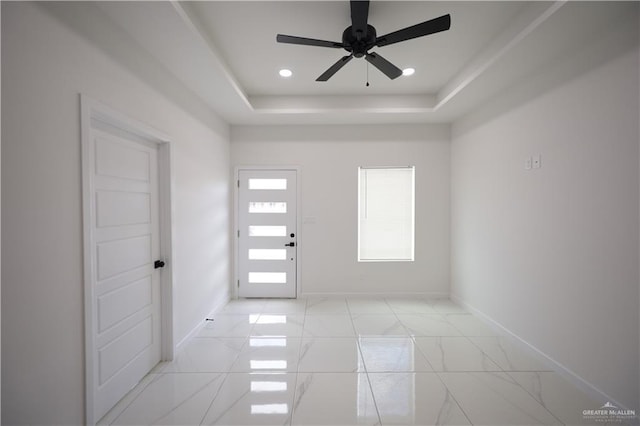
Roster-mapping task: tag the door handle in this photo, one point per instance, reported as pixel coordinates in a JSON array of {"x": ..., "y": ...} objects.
[
  {"x": 291, "y": 244},
  {"x": 158, "y": 264}
]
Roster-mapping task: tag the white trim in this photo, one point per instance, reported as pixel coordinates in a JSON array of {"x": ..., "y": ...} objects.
[
  {"x": 166, "y": 244},
  {"x": 189, "y": 335},
  {"x": 556, "y": 366},
  {"x": 89, "y": 267},
  {"x": 388, "y": 295},
  {"x": 216, "y": 307},
  {"x": 193, "y": 24},
  {"x": 523, "y": 25},
  {"x": 91, "y": 109},
  {"x": 234, "y": 231}
]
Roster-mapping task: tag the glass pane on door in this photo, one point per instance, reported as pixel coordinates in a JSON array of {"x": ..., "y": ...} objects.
[
  {"x": 267, "y": 231},
  {"x": 272, "y": 184},
  {"x": 267, "y": 207},
  {"x": 267, "y": 254},
  {"x": 268, "y": 277}
]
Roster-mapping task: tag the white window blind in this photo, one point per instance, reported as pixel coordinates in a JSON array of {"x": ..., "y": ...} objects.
[{"x": 386, "y": 214}]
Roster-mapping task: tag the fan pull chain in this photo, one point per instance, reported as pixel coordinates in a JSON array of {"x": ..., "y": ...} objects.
[{"x": 367, "y": 74}]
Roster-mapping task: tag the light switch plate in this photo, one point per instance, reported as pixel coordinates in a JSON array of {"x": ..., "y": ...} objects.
[
  {"x": 528, "y": 163},
  {"x": 537, "y": 161}
]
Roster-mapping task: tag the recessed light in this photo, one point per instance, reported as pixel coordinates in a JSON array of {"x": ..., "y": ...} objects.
[
  {"x": 408, "y": 71},
  {"x": 285, "y": 73}
]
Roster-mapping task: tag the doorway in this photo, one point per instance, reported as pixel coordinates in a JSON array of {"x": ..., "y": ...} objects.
[
  {"x": 267, "y": 217},
  {"x": 127, "y": 247}
]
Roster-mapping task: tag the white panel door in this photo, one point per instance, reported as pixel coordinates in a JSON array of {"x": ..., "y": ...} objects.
[
  {"x": 267, "y": 221},
  {"x": 125, "y": 284}
]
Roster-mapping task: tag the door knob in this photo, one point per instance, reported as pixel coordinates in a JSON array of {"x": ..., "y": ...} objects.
[
  {"x": 292, "y": 244},
  {"x": 158, "y": 264}
]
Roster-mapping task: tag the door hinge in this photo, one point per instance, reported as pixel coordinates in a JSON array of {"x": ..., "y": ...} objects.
[
  {"x": 238, "y": 183},
  {"x": 238, "y": 233},
  {"x": 238, "y": 283}
]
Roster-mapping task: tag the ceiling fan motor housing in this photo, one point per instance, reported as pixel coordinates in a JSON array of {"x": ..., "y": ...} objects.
[{"x": 359, "y": 43}]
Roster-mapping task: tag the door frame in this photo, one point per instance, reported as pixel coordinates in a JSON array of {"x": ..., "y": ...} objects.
[
  {"x": 91, "y": 109},
  {"x": 236, "y": 226}
]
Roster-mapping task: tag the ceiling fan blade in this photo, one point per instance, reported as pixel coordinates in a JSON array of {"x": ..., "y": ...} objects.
[
  {"x": 383, "y": 65},
  {"x": 281, "y": 38},
  {"x": 359, "y": 17},
  {"x": 436, "y": 25},
  {"x": 334, "y": 68}
]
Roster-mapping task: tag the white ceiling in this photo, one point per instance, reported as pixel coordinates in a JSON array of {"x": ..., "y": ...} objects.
[
  {"x": 225, "y": 52},
  {"x": 255, "y": 57}
]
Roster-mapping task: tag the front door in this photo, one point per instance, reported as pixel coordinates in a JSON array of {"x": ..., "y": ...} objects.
[{"x": 267, "y": 243}]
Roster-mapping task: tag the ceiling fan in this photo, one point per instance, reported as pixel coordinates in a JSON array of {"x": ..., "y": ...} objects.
[{"x": 360, "y": 37}]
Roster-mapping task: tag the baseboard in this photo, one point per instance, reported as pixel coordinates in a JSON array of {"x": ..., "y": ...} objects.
[
  {"x": 217, "y": 305},
  {"x": 556, "y": 366},
  {"x": 426, "y": 295}
]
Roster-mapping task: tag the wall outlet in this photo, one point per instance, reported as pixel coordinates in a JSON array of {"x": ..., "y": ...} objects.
[
  {"x": 528, "y": 163},
  {"x": 537, "y": 161}
]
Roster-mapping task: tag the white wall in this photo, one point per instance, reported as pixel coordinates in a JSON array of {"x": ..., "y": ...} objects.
[
  {"x": 329, "y": 157},
  {"x": 552, "y": 254},
  {"x": 44, "y": 68}
]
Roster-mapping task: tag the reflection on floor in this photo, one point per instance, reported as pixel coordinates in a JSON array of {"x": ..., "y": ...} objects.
[{"x": 353, "y": 361}]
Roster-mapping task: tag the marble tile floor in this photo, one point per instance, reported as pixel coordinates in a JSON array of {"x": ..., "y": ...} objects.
[{"x": 351, "y": 362}]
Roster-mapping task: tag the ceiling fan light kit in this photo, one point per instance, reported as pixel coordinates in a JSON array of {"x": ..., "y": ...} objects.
[{"x": 361, "y": 37}]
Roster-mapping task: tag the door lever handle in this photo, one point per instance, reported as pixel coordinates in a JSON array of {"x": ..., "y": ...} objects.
[
  {"x": 158, "y": 264},
  {"x": 292, "y": 244}
]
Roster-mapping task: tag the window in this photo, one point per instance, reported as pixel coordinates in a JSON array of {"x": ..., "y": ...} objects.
[{"x": 386, "y": 214}]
